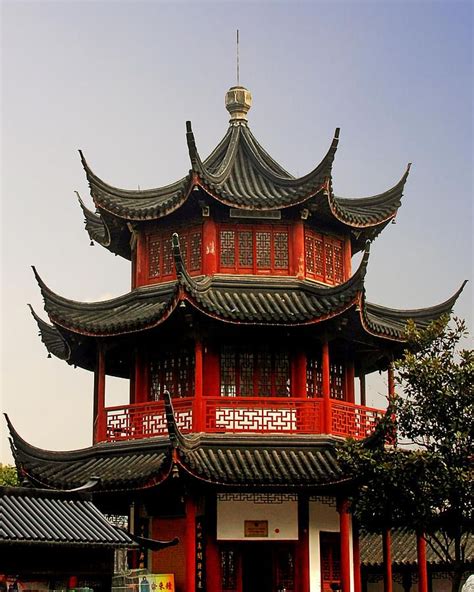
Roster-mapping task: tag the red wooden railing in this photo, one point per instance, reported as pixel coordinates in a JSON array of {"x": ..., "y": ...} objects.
[{"x": 235, "y": 415}]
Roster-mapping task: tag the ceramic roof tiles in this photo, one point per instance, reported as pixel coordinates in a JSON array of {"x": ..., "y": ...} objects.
[{"x": 45, "y": 517}]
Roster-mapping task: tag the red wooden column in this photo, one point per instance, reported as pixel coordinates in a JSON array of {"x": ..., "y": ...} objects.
[
  {"x": 345, "y": 533},
  {"x": 350, "y": 377},
  {"x": 327, "y": 421},
  {"x": 299, "y": 375},
  {"x": 141, "y": 377},
  {"x": 190, "y": 544},
  {"x": 141, "y": 258},
  {"x": 213, "y": 564},
  {"x": 356, "y": 557},
  {"x": 297, "y": 266},
  {"x": 209, "y": 246},
  {"x": 422, "y": 564},
  {"x": 387, "y": 560},
  {"x": 363, "y": 396},
  {"x": 391, "y": 382},
  {"x": 347, "y": 258},
  {"x": 198, "y": 407},
  {"x": 99, "y": 396},
  {"x": 303, "y": 573},
  {"x": 211, "y": 371}
]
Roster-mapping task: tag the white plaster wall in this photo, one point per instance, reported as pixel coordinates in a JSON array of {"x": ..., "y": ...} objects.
[
  {"x": 282, "y": 519},
  {"x": 323, "y": 517}
]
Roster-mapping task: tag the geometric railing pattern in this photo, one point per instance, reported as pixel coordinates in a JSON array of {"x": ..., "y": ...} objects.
[{"x": 240, "y": 414}]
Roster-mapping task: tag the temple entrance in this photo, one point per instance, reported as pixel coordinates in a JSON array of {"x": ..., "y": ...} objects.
[{"x": 257, "y": 568}]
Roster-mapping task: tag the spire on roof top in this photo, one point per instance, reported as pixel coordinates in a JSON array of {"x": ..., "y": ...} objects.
[{"x": 238, "y": 101}]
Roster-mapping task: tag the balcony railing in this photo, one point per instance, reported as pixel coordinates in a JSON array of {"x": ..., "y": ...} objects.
[{"x": 236, "y": 415}]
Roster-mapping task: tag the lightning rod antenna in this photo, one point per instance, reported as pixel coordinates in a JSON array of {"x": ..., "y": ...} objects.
[{"x": 238, "y": 60}]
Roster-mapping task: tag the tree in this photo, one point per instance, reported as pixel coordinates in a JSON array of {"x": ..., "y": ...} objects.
[
  {"x": 8, "y": 475},
  {"x": 428, "y": 486}
]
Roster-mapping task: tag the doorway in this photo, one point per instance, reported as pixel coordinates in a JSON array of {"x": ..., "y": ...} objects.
[{"x": 257, "y": 568}]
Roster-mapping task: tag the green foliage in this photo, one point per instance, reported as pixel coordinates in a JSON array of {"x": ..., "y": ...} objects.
[
  {"x": 8, "y": 475},
  {"x": 430, "y": 485}
]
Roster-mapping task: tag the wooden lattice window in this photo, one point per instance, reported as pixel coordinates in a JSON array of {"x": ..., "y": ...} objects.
[
  {"x": 324, "y": 257},
  {"x": 173, "y": 372},
  {"x": 314, "y": 377},
  {"x": 337, "y": 378},
  {"x": 253, "y": 249},
  {"x": 285, "y": 568},
  {"x": 228, "y": 561},
  {"x": 253, "y": 373},
  {"x": 330, "y": 560},
  {"x": 160, "y": 253}
]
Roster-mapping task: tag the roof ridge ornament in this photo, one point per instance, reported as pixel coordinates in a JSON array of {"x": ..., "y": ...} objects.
[{"x": 238, "y": 101}]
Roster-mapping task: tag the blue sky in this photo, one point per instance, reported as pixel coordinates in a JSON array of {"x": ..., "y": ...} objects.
[{"x": 119, "y": 80}]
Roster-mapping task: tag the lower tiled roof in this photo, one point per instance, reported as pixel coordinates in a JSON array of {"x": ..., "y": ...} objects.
[
  {"x": 263, "y": 461},
  {"x": 403, "y": 548},
  {"x": 38, "y": 516}
]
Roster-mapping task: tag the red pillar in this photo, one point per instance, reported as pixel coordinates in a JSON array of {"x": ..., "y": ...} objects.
[
  {"x": 363, "y": 397},
  {"x": 345, "y": 530},
  {"x": 190, "y": 545},
  {"x": 422, "y": 564},
  {"x": 350, "y": 377},
  {"x": 99, "y": 396},
  {"x": 303, "y": 573},
  {"x": 299, "y": 375},
  {"x": 391, "y": 382},
  {"x": 141, "y": 377},
  {"x": 347, "y": 258},
  {"x": 198, "y": 411},
  {"x": 209, "y": 244},
  {"x": 72, "y": 582},
  {"x": 211, "y": 371},
  {"x": 356, "y": 558},
  {"x": 297, "y": 267},
  {"x": 141, "y": 258},
  {"x": 387, "y": 560},
  {"x": 327, "y": 421}
]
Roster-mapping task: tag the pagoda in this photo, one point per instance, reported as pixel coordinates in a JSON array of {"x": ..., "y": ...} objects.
[{"x": 246, "y": 339}]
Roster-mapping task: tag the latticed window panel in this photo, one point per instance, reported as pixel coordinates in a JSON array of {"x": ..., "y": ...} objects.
[
  {"x": 195, "y": 255},
  {"x": 330, "y": 560},
  {"x": 160, "y": 253},
  {"x": 324, "y": 258},
  {"x": 228, "y": 372},
  {"x": 154, "y": 258},
  {"x": 280, "y": 250},
  {"x": 329, "y": 260},
  {"x": 285, "y": 568},
  {"x": 314, "y": 377},
  {"x": 337, "y": 378},
  {"x": 227, "y": 248},
  {"x": 173, "y": 372},
  {"x": 246, "y": 249},
  {"x": 259, "y": 372},
  {"x": 263, "y": 249},
  {"x": 228, "y": 561},
  {"x": 251, "y": 249}
]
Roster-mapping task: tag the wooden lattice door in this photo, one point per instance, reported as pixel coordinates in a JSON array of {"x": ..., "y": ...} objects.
[{"x": 330, "y": 545}]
